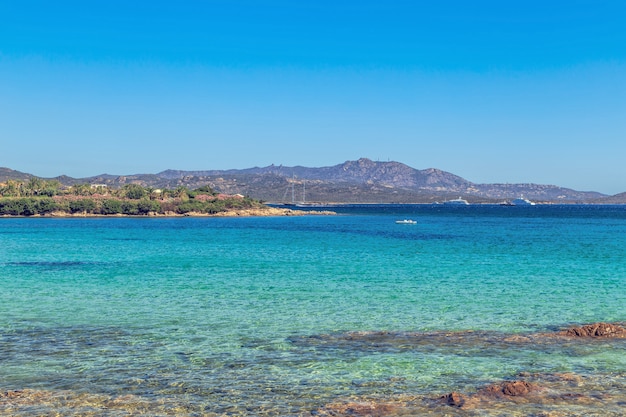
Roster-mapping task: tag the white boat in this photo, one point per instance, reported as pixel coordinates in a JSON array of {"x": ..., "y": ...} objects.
[
  {"x": 522, "y": 202},
  {"x": 406, "y": 221},
  {"x": 456, "y": 202}
]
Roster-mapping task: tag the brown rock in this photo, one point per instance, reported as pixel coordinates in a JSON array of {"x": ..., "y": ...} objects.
[
  {"x": 596, "y": 330},
  {"x": 517, "y": 388},
  {"x": 510, "y": 389},
  {"x": 454, "y": 399}
]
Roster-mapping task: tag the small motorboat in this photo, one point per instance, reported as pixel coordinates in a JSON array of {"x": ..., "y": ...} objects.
[{"x": 406, "y": 221}]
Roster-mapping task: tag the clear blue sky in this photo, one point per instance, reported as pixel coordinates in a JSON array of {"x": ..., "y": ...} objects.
[{"x": 493, "y": 91}]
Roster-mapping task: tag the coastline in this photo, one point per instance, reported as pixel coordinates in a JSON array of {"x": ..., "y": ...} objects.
[{"x": 254, "y": 212}]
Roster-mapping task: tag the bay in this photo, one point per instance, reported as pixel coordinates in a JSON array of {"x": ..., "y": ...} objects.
[{"x": 284, "y": 315}]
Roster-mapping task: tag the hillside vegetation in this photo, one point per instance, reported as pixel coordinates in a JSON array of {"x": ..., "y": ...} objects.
[{"x": 41, "y": 197}]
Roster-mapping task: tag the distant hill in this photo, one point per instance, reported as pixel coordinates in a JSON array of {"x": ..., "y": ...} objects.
[
  {"x": 362, "y": 171},
  {"x": 10, "y": 174},
  {"x": 360, "y": 181},
  {"x": 614, "y": 199}
]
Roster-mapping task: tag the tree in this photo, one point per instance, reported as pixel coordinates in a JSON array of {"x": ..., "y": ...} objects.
[
  {"x": 134, "y": 191},
  {"x": 81, "y": 189},
  {"x": 51, "y": 188},
  {"x": 11, "y": 189},
  {"x": 34, "y": 186},
  {"x": 182, "y": 193}
]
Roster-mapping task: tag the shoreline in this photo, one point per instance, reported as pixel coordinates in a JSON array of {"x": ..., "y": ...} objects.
[{"x": 257, "y": 212}]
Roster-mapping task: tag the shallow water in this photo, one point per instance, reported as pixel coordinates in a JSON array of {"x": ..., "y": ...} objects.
[{"x": 245, "y": 316}]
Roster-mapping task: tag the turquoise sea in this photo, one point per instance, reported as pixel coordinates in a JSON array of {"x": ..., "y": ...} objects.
[{"x": 286, "y": 316}]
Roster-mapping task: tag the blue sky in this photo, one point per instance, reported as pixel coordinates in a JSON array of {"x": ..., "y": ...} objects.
[{"x": 493, "y": 91}]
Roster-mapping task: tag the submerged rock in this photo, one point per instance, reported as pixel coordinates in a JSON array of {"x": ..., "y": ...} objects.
[
  {"x": 545, "y": 395},
  {"x": 510, "y": 389},
  {"x": 361, "y": 408},
  {"x": 596, "y": 330},
  {"x": 394, "y": 341},
  {"x": 455, "y": 399}
]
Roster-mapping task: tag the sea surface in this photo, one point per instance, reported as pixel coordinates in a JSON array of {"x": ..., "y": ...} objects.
[{"x": 304, "y": 315}]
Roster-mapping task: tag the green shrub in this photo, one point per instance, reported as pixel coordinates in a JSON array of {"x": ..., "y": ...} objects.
[
  {"x": 111, "y": 206},
  {"x": 10, "y": 207},
  {"x": 189, "y": 206},
  {"x": 147, "y": 206},
  {"x": 46, "y": 205},
  {"x": 84, "y": 205},
  {"x": 5, "y": 207},
  {"x": 129, "y": 207},
  {"x": 134, "y": 191},
  {"x": 18, "y": 206}
]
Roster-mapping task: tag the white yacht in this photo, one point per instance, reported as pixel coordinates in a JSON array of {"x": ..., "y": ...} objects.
[
  {"x": 456, "y": 202},
  {"x": 522, "y": 202}
]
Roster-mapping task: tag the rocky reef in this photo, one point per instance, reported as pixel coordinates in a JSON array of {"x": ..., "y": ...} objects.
[
  {"x": 526, "y": 394},
  {"x": 529, "y": 394}
]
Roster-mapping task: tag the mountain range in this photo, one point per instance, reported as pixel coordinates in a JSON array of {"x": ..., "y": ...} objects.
[{"x": 360, "y": 181}]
